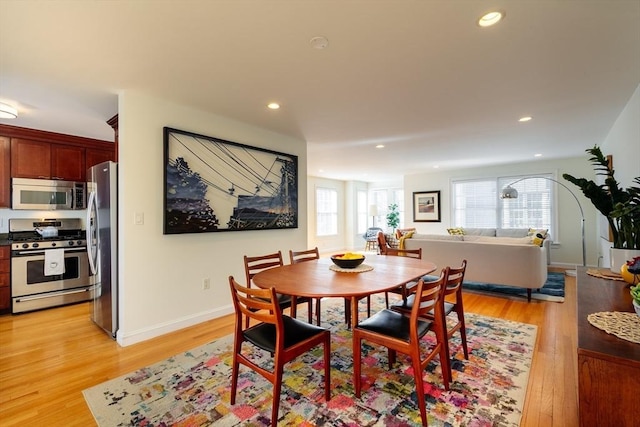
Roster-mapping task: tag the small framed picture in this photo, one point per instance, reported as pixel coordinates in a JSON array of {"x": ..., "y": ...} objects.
[{"x": 426, "y": 206}]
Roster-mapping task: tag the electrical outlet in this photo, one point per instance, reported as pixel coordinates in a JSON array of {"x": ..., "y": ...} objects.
[{"x": 206, "y": 284}]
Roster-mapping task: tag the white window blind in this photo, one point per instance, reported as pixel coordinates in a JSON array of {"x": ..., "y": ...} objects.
[
  {"x": 362, "y": 211},
  {"x": 326, "y": 212},
  {"x": 477, "y": 203}
]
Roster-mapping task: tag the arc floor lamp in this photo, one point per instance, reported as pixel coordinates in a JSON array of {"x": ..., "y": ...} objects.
[{"x": 509, "y": 192}]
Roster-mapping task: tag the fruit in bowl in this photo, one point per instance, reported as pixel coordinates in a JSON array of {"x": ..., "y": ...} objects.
[{"x": 347, "y": 260}]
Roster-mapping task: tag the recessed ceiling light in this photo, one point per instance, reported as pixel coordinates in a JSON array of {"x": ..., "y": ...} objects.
[
  {"x": 525, "y": 119},
  {"x": 319, "y": 42},
  {"x": 379, "y": 146},
  {"x": 436, "y": 166},
  {"x": 7, "y": 111},
  {"x": 273, "y": 106},
  {"x": 537, "y": 155},
  {"x": 491, "y": 18}
]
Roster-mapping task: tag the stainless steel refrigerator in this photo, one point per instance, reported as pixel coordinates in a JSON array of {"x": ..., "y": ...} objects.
[{"x": 102, "y": 243}]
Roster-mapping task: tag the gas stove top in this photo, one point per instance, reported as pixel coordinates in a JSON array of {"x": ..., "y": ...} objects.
[{"x": 23, "y": 234}]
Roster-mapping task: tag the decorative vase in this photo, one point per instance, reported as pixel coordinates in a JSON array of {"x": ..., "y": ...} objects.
[{"x": 621, "y": 256}]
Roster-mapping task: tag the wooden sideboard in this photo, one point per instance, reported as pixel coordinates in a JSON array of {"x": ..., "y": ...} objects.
[{"x": 608, "y": 366}]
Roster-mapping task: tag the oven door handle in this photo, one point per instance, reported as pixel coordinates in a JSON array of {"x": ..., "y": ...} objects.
[
  {"x": 66, "y": 251},
  {"x": 49, "y": 295}
]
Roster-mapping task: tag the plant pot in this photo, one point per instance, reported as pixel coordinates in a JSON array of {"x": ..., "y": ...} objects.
[
  {"x": 620, "y": 256},
  {"x": 636, "y": 306}
]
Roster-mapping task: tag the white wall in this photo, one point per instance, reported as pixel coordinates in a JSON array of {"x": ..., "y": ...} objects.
[
  {"x": 567, "y": 250},
  {"x": 623, "y": 143},
  {"x": 161, "y": 275}
]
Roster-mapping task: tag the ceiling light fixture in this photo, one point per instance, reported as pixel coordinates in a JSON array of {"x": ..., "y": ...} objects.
[
  {"x": 7, "y": 111},
  {"x": 379, "y": 146},
  {"x": 525, "y": 119},
  {"x": 537, "y": 155},
  {"x": 273, "y": 106},
  {"x": 319, "y": 42},
  {"x": 491, "y": 18}
]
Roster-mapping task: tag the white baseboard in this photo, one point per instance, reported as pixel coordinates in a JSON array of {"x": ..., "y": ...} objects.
[{"x": 124, "y": 338}]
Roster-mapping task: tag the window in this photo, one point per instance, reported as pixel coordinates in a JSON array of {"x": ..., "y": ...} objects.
[
  {"x": 379, "y": 198},
  {"x": 477, "y": 203},
  {"x": 326, "y": 212}
]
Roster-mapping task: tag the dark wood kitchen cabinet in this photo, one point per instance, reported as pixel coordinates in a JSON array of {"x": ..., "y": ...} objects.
[
  {"x": 95, "y": 156},
  {"x": 5, "y": 172},
  {"x": 38, "y": 159},
  {"x": 5, "y": 274}
]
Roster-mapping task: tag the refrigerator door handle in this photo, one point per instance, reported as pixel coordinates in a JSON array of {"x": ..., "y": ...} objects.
[{"x": 92, "y": 230}]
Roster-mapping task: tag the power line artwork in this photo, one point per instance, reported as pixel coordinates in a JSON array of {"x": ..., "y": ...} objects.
[{"x": 217, "y": 185}]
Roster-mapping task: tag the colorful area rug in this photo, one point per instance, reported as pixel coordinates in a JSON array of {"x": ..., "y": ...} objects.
[
  {"x": 192, "y": 388},
  {"x": 553, "y": 289}
]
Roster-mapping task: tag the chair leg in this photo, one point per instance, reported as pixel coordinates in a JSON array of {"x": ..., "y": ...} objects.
[
  {"x": 417, "y": 375},
  {"x": 277, "y": 386},
  {"x": 347, "y": 312},
  {"x": 234, "y": 370},
  {"x": 463, "y": 333},
  {"x": 356, "y": 363},
  {"x": 327, "y": 366},
  {"x": 386, "y": 299},
  {"x": 368, "y": 306},
  {"x": 294, "y": 307}
]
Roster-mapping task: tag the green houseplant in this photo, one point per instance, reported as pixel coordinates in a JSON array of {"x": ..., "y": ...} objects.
[
  {"x": 621, "y": 207},
  {"x": 393, "y": 217}
]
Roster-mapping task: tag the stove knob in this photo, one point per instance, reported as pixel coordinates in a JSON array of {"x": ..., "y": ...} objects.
[
  {"x": 36, "y": 245},
  {"x": 80, "y": 242},
  {"x": 25, "y": 245},
  {"x": 70, "y": 242},
  {"x": 53, "y": 243}
]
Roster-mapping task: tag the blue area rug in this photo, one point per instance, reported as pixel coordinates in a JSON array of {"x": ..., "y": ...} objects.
[{"x": 553, "y": 289}]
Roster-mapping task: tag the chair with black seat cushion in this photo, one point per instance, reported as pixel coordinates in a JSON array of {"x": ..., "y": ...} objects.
[
  {"x": 452, "y": 302},
  {"x": 284, "y": 337},
  {"x": 400, "y": 333},
  {"x": 302, "y": 256},
  {"x": 256, "y": 264},
  {"x": 385, "y": 249}
]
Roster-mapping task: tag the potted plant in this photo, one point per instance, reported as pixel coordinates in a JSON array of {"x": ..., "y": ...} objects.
[
  {"x": 635, "y": 295},
  {"x": 393, "y": 217},
  {"x": 621, "y": 207}
]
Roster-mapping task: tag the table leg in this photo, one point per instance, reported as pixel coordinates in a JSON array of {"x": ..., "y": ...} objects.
[{"x": 354, "y": 311}]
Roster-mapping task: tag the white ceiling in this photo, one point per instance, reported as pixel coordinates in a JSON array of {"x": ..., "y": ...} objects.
[{"x": 418, "y": 76}]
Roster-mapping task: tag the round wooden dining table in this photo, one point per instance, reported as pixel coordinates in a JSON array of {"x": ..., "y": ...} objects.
[{"x": 316, "y": 279}]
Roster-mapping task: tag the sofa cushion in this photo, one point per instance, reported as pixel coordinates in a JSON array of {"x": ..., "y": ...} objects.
[
  {"x": 436, "y": 237},
  {"x": 526, "y": 240},
  {"x": 512, "y": 232},
  {"x": 480, "y": 231}
]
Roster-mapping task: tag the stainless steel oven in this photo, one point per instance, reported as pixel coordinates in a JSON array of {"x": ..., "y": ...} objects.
[{"x": 34, "y": 283}]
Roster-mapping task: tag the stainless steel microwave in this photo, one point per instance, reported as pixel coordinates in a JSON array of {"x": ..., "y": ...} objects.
[{"x": 44, "y": 194}]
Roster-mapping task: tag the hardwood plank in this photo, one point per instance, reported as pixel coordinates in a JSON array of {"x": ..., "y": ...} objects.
[{"x": 47, "y": 358}]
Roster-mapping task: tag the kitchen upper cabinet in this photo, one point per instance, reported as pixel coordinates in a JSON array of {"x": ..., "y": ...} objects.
[
  {"x": 5, "y": 172},
  {"x": 38, "y": 159},
  {"x": 95, "y": 156}
]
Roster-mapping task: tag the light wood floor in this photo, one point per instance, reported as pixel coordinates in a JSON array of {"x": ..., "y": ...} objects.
[{"x": 47, "y": 358}]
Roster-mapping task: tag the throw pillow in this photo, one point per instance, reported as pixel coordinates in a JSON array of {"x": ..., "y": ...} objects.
[
  {"x": 458, "y": 231},
  {"x": 538, "y": 236}
]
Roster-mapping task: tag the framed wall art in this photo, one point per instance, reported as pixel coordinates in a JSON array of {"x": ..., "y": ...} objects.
[
  {"x": 215, "y": 185},
  {"x": 426, "y": 206}
]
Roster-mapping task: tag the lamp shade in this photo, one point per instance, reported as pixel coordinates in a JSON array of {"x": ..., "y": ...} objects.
[
  {"x": 509, "y": 192},
  {"x": 373, "y": 210}
]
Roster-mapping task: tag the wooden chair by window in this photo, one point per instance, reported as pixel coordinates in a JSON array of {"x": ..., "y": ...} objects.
[
  {"x": 371, "y": 238},
  {"x": 302, "y": 256},
  {"x": 400, "y": 333},
  {"x": 284, "y": 337},
  {"x": 452, "y": 302},
  {"x": 382, "y": 244},
  {"x": 256, "y": 264}
]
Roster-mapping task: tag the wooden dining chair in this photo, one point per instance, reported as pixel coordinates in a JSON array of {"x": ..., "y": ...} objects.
[
  {"x": 256, "y": 264},
  {"x": 451, "y": 302},
  {"x": 284, "y": 337},
  {"x": 296, "y": 257},
  {"x": 404, "y": 289},
  {"x": 403, "y": 334}
]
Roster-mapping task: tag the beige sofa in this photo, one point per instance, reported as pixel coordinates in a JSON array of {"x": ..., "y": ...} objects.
[{"x": 503, "y": 260}]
